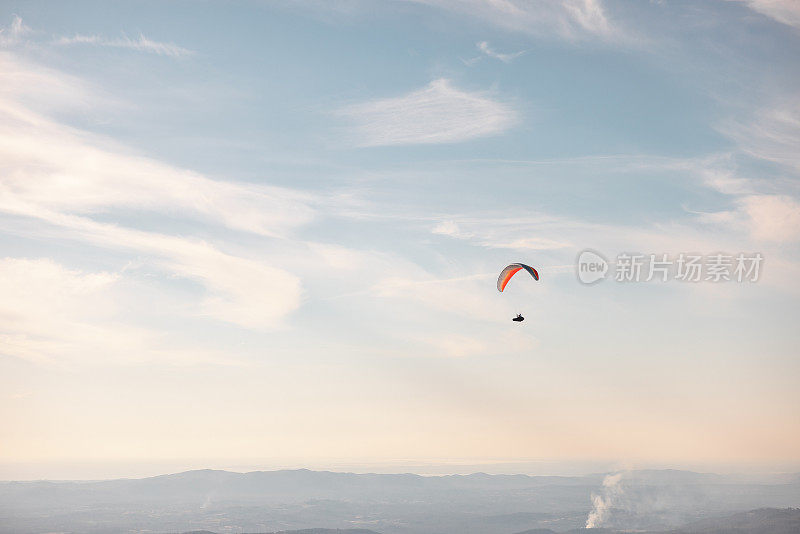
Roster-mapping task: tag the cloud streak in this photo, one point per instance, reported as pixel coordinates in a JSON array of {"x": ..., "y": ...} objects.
[
  {"x": 784, "y": 11},
  {"x": 567, "y": 19},
  {"x": 770, "y": 133},
  {"x": 488, "y": 51},
  {"x": 436, "y": 114},
  {"x": 17, "y": 31},
  {"x": 139, "y": 44}
]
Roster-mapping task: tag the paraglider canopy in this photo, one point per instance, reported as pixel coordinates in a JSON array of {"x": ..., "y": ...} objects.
[{"x": 510, "y": 271}]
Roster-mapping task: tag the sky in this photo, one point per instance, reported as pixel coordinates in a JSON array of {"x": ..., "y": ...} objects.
[{"x": 268, "y": 233}]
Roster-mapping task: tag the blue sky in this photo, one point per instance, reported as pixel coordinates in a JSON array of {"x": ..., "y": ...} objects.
[{"x": 268, "y": 232}]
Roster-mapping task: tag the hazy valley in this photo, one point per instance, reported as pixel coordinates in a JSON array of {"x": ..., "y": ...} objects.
[{"x": 270, "y": 501}]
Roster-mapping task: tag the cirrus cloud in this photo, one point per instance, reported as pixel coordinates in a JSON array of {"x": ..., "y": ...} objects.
[
  {"x": 139, "y": 44},
  {"x": 567, "y": 19},
  {"x": 436, "y": 114},
  {"x": 784, "y": 11},
  {"x": 72, "y": 182}
]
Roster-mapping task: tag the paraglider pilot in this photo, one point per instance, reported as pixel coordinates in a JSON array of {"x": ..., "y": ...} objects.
[{"x": 506, "y": 275}]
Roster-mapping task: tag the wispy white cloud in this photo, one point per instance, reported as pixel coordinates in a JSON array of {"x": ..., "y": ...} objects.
[
  {"x": 568, "y": 19},
  {"x": 744, "y": 222},
  {"x": 14, "y": 32},
  {"x": 784, "y": 11},
  {"x": 765, "y": 218},
  {"x": 770, "y": 133},
  {"x": 17, "y": 31},
  {"x": 450, "y": 229},
  {"x": 754, "y": 221},
  {"x": 772, "y": 217},
  {"x": 26, "y": 88},
  {"x": 53, "y": 315},
  {"x": 488, "y": 51},
  {"x": 239, "y": 290},
  {"x": 438, "y": 113},
  {"x": 140, "y": 44},
  {"x": 72, "y": 171},
  {"x": 65, "y": 178},
  {"x": 501, "y": 232}
]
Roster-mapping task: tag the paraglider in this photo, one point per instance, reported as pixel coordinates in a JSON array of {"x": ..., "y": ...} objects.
[
  {"x": 505, "y": 276},
  {"x": 510, "y": 271}
]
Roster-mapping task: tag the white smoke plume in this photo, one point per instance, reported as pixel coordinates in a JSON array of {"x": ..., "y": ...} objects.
[{"x": 602, "y": 504}]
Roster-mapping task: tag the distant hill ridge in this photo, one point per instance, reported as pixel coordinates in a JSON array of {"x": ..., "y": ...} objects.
[
  {"x": 304, "y": 531},
  {"x": 657, "y": 476},
  {"x": 288, "y": 500}
]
